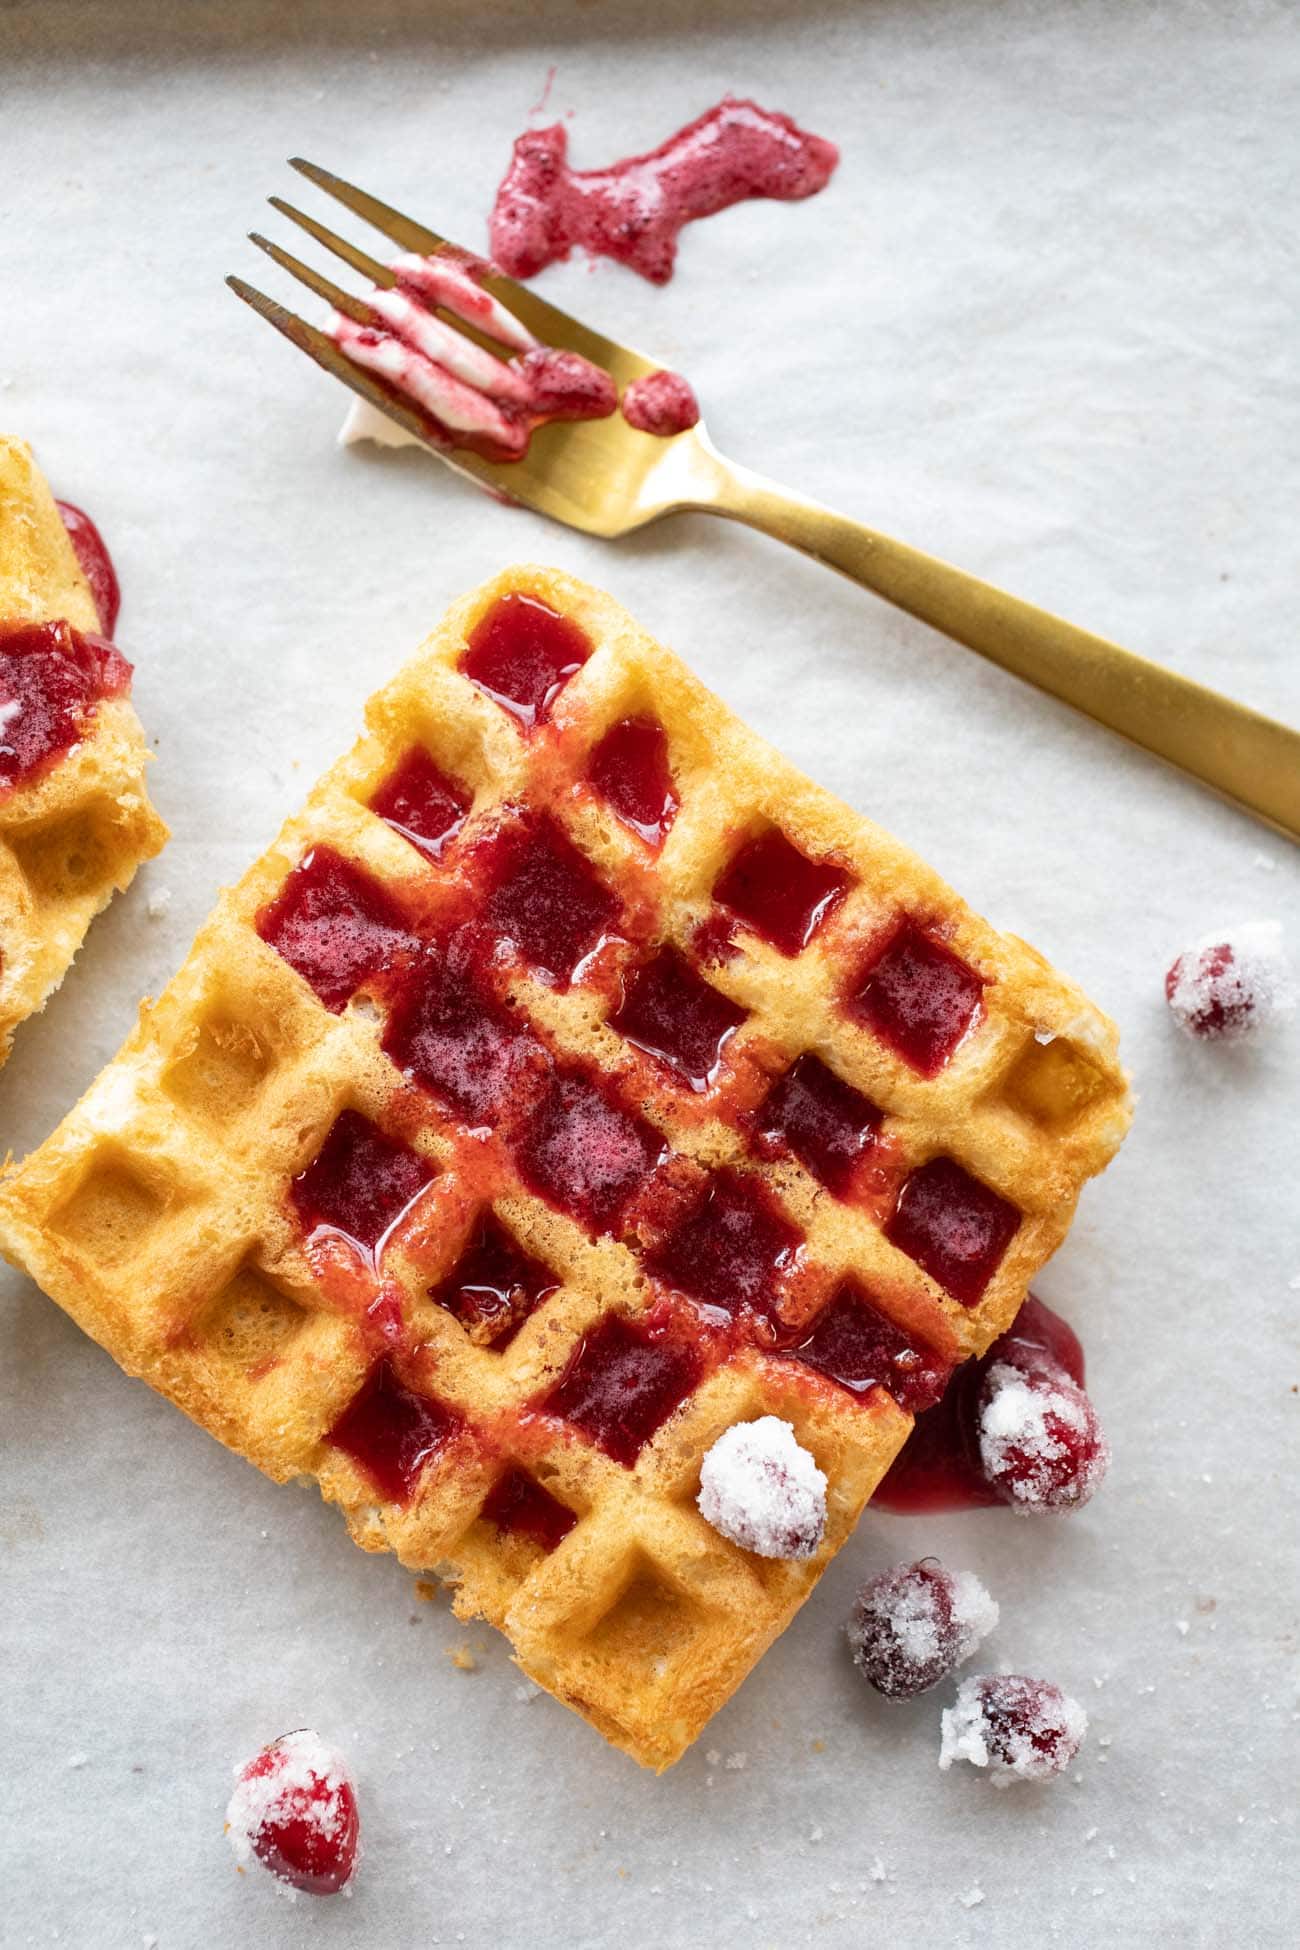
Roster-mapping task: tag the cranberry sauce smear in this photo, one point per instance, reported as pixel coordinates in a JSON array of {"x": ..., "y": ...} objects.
[
  {"x": 952, "y": 1226},
  {"x": 629, "y": 768},
  {"x": 336, "y": 925},
  {"x": 674, "y": 1014},
  {"x": 547, "y": 899},
  {"x": 622, "y": 1383},
  {"x": 779, "y": 892},
  {"x": 919, "y": 998},
  {"x": 938, "y": 1467},
  {"x": 584, "y": 1153},
  {"x": 523, "y": 653},
  {"x": 731, "y": 1251},
  {"x": 91, "y": 551},
  {"x": 391, "y": 1433},
  {"x": 662, "y": 403},
  {"x": 421, "y": 803},
  {"x": 359, "y": 1183},
  {"x": 861, "y": 1348},
  {"x": 51, "y": 679},
  {"x": 495, "y": 1284},
  {"x": 455, "y": 1041},
  {"x": 828, "y": 1125},
  {"x": 634, "y": 210},
  {"x": 521, "y": 1507}
]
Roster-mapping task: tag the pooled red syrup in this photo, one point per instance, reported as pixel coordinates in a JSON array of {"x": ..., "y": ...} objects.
[
  {"x": 634, "y": 210},
  {"x": 96, "y": 563},
  {"x": 359, "y": 1183},
  {"x": 938, "y": 1467},
  {"x": 520, "y": 1506},
  {"x": 662, "y": 403},
  {"x": 494, "y": 1284},
  {"x": 861, "y": 1348},
  {"x": 546, "y": 899},
  {"x": 919, "y": 998},
  {"x": 629, "y": 768},
  {"x": 779, "y": 892},
  {"x": 337, "y": 925},
  {"x": 523, "y": 653},
  {"x": 584, "y": 1153},
  {"x": 952, "y": 1226},
  {"x": 391, "y": 1432},
  {"x": 730, "y": 1252},
  {"x": 672, "y": 1013},
  {"x": 51, "y": 679},
  {"x": 421, "y": 803},
  {"x": 622, "y": 1383},
  {"x": 452, "y": 1039},
  {"x": 828, "y": 1125}
]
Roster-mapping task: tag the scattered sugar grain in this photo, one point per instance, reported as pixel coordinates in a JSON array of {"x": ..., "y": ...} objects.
[
  {"x": 78, "y": 1760},
  {"x": 158, "y": 903},
  {"x": 972, "y": 1897}
]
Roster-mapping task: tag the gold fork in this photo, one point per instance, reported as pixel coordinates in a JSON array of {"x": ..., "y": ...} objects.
[{"x": 605, "y": 478}]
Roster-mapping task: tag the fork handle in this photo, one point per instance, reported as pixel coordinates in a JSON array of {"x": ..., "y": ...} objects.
[{"x": 1247, "y": 757}]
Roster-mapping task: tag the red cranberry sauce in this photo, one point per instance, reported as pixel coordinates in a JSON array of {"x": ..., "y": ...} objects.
[
  {"x": 523, "y": 653},
  {"x": 584, "y": 1153},
  {"x": 391, "y": 1433},
  {"x": 672, "y": 1013},
  {"x": 634, "y": 210},
  {"x": 565, "y": 386},
  {"x": 422, "y": 803},
  {"x": 919, "y": 998},
  {"x": 359, "y": 1183},
  {"x": 938, "y": 1467},
  {"x": 622, "y": 1383},
  {"x": 779, "y": 892},
  {"x": 952, "y": 1226},
  {"x": 449, "y": 1036},
  {"x": 495, "y": 1284},
  {"x": 336, "y": 925},
  {"x": 96, "y": 563},
  {"x": 861, "y": 1348},
  {"x": 629, "y": 768},
  {"x": 519, "y": 1506},
  {"x": 731, "y": 1251},
  {"x": 662, "y": 403},
  {"x": 828, "y": 1125},
  {"x": 51, "y": 679},
  {"x": 546, "y": 899}
]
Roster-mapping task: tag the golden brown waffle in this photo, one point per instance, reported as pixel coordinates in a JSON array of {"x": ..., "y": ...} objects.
[
  {"x": 75, "y": 831},
  {"x": 273, "y": 1205}
]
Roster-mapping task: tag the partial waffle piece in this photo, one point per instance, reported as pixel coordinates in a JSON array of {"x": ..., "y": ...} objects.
[
  {"x": 75, "y": 820},
  {"x": 571, "y": 1080}
]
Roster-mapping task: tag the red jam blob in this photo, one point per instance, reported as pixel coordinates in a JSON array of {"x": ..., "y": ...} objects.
[
  {"x": 391, "y": 1433},
  {"x": 779, "y": 892},
  {"x": 336, "y": 925},
  {"x": 51, "y": 679},
  {"x": 672, "y": 1013},
  {"x": 828, "y": 1125},
  {"x": 359, "y": 1183},
  {"x": 731, "y": 1251},
  {"x": 547, "y": 899},
  {"x": 447, "y": 1036},
  {"x": 634, "y": 210},
  {"x": 629, "y": 768},
  {"x": 96, "y": 563},
  {"x": 622, "y": 1383},
  {"x": 662, "y": 403},
  {"x": 952, "y": 1226},
  {"x": 495, "y": 1284},
  {"x": 584, "y": 1153},
  {"x": 523, "y": 653},
  {"x": 920, "y": 999},
  {"x": 296, "y": 1809},
  {"x": 421, "y": 803},
  {"x": 861, "y": 1348},
  {"x": 520, "y": 1507},
  {"x": 565, "y": 386}
]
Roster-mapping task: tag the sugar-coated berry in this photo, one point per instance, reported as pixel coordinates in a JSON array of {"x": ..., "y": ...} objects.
[
  {"x": 1040, "y": 1444},
  {"x": 1229, "y": 986},
  {"x": 1018, "y": 1728},
  {"x": 764, "y": 1492},
  {"x": 295, "y": 1809},
  {"x": 913, "y": 1625}
]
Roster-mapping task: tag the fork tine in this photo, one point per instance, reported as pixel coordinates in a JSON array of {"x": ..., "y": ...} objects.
[
  {"x": 341, "y": 300},
  {"x": 411, "y": 236},
  {"x": 360, "y": 261}
]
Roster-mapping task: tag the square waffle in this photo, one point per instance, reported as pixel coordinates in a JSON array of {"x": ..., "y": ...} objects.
[
  {"x": 570, "y": 1080},
  {"x": 75, "y": 820}
]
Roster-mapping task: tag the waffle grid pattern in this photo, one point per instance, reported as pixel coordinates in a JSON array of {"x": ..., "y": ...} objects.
[{"x": 161, "y": 1216}]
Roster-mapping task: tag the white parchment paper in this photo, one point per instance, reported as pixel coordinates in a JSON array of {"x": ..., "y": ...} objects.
[{"x": 1041, "y": 323}]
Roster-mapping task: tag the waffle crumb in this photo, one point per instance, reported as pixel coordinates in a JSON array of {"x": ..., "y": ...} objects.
[
  {"x": 426, "y": 1591},
  {"x": 462, "y": 1658}
]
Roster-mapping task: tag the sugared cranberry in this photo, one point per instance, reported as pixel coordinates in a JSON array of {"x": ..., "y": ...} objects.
[
  {"x": 1040, "y": 1444},
  {"x": 914, "y": 1625},
  {"x": 762, "y": 1490},
  {"x": 1020, "y": 1729},
  {"x": 294, "y": 1808},
  {"x": 1227, "y": 987}
]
